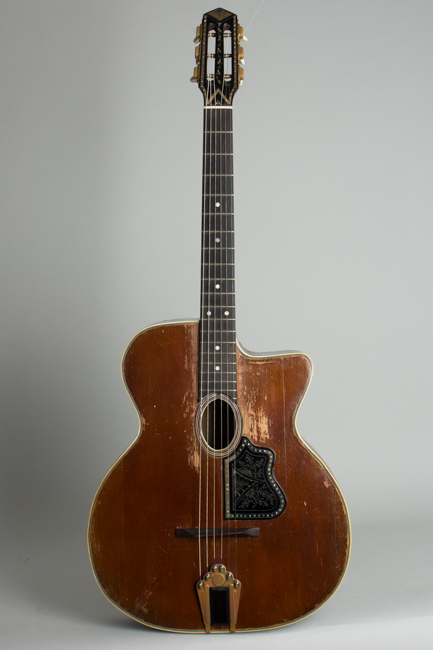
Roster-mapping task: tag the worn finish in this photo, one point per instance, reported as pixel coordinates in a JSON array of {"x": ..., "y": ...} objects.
[{"x": 298, "y": 559}]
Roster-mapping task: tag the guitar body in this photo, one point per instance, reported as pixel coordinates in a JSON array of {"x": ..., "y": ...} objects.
[{"x": 298, "y": 558}]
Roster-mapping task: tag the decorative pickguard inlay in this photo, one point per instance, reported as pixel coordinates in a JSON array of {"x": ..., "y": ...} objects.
[{"x": 251, "y": 491}]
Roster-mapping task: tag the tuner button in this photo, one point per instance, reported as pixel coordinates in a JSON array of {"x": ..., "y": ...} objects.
[
  {"x": 197, "y": 34},
  {"x": 197, "y": 53},
  {"x": 194, "y": 78},
  {"x": 240, "y": 54},
  {"x": 241, "y": 74},
  {"x": 241, "y": 36}
]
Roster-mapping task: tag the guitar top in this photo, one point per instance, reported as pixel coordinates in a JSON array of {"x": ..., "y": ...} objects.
[{"x": 218, "y": 517}]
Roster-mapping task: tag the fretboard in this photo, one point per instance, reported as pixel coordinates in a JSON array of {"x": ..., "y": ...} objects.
[{"x": 217, "y": 312}]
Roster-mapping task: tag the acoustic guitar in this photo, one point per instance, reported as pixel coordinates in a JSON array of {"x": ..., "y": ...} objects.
[{"x": 218, "y": 517}]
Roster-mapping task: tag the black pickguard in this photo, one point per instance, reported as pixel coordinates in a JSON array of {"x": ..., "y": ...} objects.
[{"x": 251, "y": 491}]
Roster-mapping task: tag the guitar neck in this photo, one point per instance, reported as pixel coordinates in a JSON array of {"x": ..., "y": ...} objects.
[{"x": 217, "y": 311}]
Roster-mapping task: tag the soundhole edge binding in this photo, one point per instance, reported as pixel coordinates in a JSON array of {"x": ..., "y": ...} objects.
[{"x": 218, "y": 425}]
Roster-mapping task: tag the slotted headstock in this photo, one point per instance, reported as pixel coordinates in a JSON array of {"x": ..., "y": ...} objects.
[{"x": 219, "y": 56}]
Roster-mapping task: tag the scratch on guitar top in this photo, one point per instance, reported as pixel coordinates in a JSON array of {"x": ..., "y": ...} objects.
[
  {"x": 194, "y": 455},
  {"x": 258, "y": 421},
  {"x": 191, "y": 339}
]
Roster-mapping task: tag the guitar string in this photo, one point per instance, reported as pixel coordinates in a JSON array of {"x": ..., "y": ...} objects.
[
  {"x": 205, "y": 328},
  {"x": 223, "y": 117},
  {"x": 208, "y": 267},
  {"x": 257, "y": 11},
  {"x": 229, "y": 119},
  {"x": 220, "y": 127},
  {"x": 214, "y": 320},
  {"x": 220, "y": 301},
  {"x": 234, "y": 460},
  {"x": 202, "y": 341},
  {"x": 207, "y": 189}
]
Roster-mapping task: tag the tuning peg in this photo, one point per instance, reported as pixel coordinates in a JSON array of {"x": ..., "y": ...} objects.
[
  {"x": 198, "y": 35},
  {"x": 194, "y": 78},
  {"x": 197, "y": 53},
  {"x": 241, "y": 36},
  {"x": 240, "y": 74},
  {"x": 241, "y": 54}
]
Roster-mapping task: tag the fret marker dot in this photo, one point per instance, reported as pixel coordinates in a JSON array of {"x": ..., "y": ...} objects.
[
  {"x": 217, "y": 240},
  {"x": 217, "y": 368},
  {"x": 209, "y": 313},
  {"x": 226, "y": 313},
  {"x": 217, "y": 347},
  {"x": 217, "y": 286},
  {"x": 217, "y": 204}
]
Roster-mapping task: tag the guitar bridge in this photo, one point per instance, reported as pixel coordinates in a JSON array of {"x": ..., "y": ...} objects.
[{"x": 218, "y": 594}]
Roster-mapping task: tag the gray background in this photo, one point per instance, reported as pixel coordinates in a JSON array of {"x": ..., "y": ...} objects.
[{"x": 100, "y": 237}]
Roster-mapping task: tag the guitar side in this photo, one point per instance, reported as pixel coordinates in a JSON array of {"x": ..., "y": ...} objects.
[{"x": 299, "y": 558}]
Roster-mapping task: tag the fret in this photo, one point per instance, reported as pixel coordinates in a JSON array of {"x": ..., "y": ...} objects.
[
  {"x": 215, "y": 385},
  {"x": 224, "y": 366},
  {"x": 217, "y": 326},
  {"x": 209, "y": 367},
  {"x": 226, "y": 237},
  {"x": 218, "y": 379},
  {"x": 224, "y": 369},
  {"x": 210, "y": 356},
  {"x": 218, "y": 383},
  {"x": 213, "y": 303},
  {"x": 216, "y": 194},
  {"x": 218, "y": 247}
]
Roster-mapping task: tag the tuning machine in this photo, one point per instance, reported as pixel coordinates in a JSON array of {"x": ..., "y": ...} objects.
[
  {"x": 241, "y": 36},
  {"x": 196, "y": 73}
]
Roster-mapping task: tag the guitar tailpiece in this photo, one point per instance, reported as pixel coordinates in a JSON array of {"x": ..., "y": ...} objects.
[{"x": 218, "y": 594}]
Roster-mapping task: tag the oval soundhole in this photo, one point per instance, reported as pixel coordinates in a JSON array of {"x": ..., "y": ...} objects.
[{"x": 218, "y": 424}]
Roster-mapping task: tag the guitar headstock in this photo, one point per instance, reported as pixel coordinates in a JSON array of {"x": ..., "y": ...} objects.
[{"x": 219, "y": 56}]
